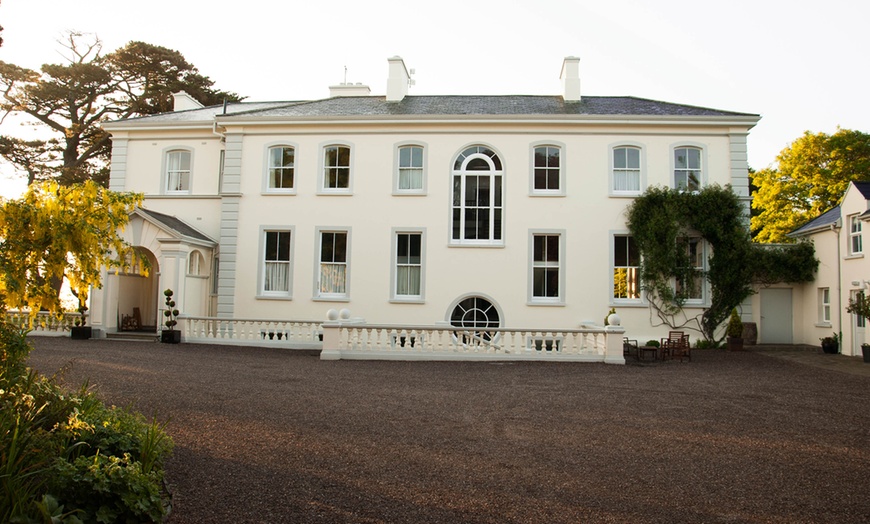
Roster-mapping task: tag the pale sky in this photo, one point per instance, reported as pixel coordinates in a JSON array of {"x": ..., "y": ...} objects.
[{"x": 800, "y": 64}]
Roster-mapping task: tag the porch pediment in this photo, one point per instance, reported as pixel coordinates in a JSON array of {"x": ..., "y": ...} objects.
[{"x": 171, "y": 229}]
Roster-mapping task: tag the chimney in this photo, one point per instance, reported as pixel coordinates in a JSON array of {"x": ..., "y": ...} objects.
[
  {"x": 182, "y": 101},
  {"x": 349, "y": 89},
  {"x": 571, "y": 79},
  {"x": 398, "y": 81}
]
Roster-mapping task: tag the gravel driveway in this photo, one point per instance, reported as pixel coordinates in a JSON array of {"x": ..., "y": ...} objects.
[{"x": 265, "y": 435}]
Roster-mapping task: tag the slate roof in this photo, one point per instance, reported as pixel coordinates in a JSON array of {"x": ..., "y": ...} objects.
[
  {"x": 864, "y": 188},
  {"x": 176, "y": 224},
  {"x": 823, "y": 221},
  {"x": 452, "y": 105},
  {"x": 509, "y": 105}
]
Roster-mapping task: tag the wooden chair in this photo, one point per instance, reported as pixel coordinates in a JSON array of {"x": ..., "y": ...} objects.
[
  {"x": 684, "y": 349},
  {"x": 674, "y": 340},
  {"x": 630, "y": 347}
]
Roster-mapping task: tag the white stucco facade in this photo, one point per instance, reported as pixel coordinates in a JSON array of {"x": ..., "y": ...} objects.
[
  {"x": 235, "y": 219},
  {"x": 819, "y": 307}
]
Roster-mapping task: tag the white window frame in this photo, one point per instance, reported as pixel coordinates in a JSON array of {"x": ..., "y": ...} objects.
[
  {"x": 327, "y": 296},
  {"x": 702, "y": 170},
  {"x": 398, "y": 168},
  {"x": 261, "y": 272},
  {"x": 613, "y": 267},
  {"x": 394, "y": 266},
  {"x": 195, "y": 263},
  {"x": 856, "y": 240},
  {"x": 702, "y": 246},
  {"x": 641, "y": 170},
  {"x": 560, "y": 265},
  {"x": 267, "y": 176},
  {"x": 322, "y": 178},
  {"x": 825, "y": 305},
  {"x": 495, "y": 175},
  {"x": 166, "y": 178},
  {"x": 534, "y": 191}
]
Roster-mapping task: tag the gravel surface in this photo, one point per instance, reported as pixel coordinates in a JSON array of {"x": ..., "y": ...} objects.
[{"x": 265, "y": 435}]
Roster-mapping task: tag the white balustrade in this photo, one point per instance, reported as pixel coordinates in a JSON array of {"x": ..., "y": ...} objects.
[
  {"x": 251, "y": 332},
  {"x": 368, "y": 341},
  {"x": 44, "y": 323}
]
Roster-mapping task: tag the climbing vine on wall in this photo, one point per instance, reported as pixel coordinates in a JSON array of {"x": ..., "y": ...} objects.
[{"x": 664, "y": 223}]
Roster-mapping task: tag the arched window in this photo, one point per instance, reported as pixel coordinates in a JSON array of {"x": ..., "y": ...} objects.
[
  {"x": 476, "y": 315},
  {"x": 626, "y": 169},
  {"x": 477, "y": 197},
  {"x": 282, "y": 160},
  {"x": 178, "y": 171},
  {"x": 195, "y": 263},
  {"x": 687, "y": 168}
]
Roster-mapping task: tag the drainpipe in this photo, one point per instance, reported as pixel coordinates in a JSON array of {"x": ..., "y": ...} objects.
[{"x": 836, "y": 230}]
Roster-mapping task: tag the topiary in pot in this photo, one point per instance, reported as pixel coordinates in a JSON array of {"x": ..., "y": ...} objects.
[
  {"x": 170, "y": 335},
  {"x": 734, "y": 331}
]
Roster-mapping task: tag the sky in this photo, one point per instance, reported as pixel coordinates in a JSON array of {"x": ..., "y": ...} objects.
[{"x": 802, "y": 65}]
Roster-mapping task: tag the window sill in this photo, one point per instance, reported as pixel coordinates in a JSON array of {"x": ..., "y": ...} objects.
[
  {"x": 853, "y": 256},
  {"x": 823, "y": 325},
  {"x": 342, "y": 192},
  {"x": 614, "y": 303},
  {"x": 487, "y": 246},
  {"x": 330, "y": 299},
  {"x": 409, "y": 193},
  {"x": 273, "y": 192},
  {"x": 547, "y": 194},
  {"x": 396, "y": 300},
  {"x": 625, "y": 195},
  {"x": 533, "y": 302},
  {"x": 274, "y": 297}
]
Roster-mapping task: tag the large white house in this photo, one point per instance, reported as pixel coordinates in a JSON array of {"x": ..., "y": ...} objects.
[
  {"x": 496, "y": 211},
  {"x": 807, "y": 312}
]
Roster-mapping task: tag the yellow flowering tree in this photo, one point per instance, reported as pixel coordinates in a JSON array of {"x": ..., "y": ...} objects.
[{"x": 55, "y": 232}]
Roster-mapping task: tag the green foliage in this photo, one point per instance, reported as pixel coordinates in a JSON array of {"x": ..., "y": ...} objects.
[
  {"x": 661, "y": 221},
  {"x": 170, "y": 312},
  {"x": 811, "y": 175},
  {"x": 859, "y": 305},
  {"x": 735, "y": 325},
  {"x": 774, "y": 263},
  {"x": 55, "y": 232},
  {"x": 653, "y": 343},
  {"x": 68, "y": 458}
]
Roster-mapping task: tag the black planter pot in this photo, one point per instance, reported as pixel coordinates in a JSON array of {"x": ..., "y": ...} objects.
[
  {"x": 80, "y": 332},
  {"x": 831, "y": 348},
  {"x": 170, "y": 336},
  {"x": 865, "y": 351},
  {"x": 735, "y": 343}
]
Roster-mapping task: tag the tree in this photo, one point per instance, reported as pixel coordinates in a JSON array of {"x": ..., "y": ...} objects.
[
  {"x": 55, "y": 232},
  {"x": 811, "y": 175},
  {"x": 663, "y": 220},
  {"x": 72, "y": 99}
]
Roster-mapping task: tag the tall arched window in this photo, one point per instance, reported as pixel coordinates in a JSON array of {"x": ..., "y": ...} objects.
[{"x": 477, "y": 197}]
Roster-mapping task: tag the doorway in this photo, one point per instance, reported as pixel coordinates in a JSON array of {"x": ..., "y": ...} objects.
[{"x": 776, "y": 316}]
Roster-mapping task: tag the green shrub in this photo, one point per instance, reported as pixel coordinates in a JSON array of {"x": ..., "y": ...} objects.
[
  {"x": 653, "y": 343},
  {"x": 67, "y": 457}
]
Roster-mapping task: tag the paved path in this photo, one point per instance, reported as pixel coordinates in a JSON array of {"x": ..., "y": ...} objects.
[{"x": 274, "y": 436}]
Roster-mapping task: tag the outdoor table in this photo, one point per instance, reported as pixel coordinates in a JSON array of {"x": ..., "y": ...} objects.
[{"x": 654, "y": 349}]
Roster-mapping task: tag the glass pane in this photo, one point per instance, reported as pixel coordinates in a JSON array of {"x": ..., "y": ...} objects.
[
  {"x": 694, "y": 156},
  {"x": 457, "y": 223},
  {"x": 470, "y": 224},
  {"x": 402, "y": 249},
  {"x": 633, "y": 160},
  {"x": 483, "y": 195},
  {"x": 553, "y": 179},
  {"x": 340, "y": 247},
  {"x": 343, "y": 178},
  {"x": 457, "y": 191},
  {"x": 552, "y": 279},
  {"x": 415, "y": 243},
  {"x": 327, "y": 247},
  {"x": 271, "y": 245},
  {"x": 552, "y": 248},
  {"x": 496, "y": 227},
  {"x": 619, "y": 158},
  {"x": 344, "y": 156},
  {"x": 620, "y": 251},
  {"x": 540, "y": 248},
  {"x": 497, "y": 190},
  {"x": 470, "y": 190},
  {"x": 405, "y": 157},
  {"x": 540, "y": 157},
  {"x": 680, "y": 160},
  {"x": 417, "y": 157},
  {"x": 540, "y": 179},
  {"x": 633, "y": 252},
  {"x": 330, "y": 156},
  {"x": 477, "y": 164},
  {"x": 284, "y": 245}
]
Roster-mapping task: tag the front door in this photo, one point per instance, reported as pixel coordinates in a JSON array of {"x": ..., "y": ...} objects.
[{"x": 776, "y": 316}]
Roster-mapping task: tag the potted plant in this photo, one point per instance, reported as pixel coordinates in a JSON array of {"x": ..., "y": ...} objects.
[
  {"x": 860, "y": 305},
  {"x": 80, "y": 331},
  {"x": 831, "y": 345},
  {"x": 734, "y": 332},
  {"x": 170, "y": 335}
]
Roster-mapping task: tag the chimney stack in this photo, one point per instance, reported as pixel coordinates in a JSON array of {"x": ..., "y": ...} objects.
[
  {"x": 181, "y": 101},
  {"x": 571, "y": 79},
  {"x": 349, "y": 89},
  {"x": 398, "y": 80}
]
